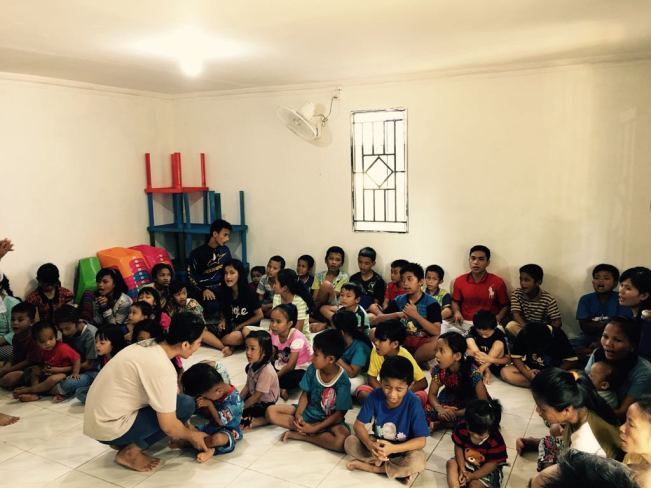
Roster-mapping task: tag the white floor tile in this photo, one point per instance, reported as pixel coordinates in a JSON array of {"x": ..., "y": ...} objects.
[
  {"x": 430, "y": 479},
  {"x": 8, "y": 451},
  {"x": 30, "y": 471},
  {"x": 105, "y": 468}
]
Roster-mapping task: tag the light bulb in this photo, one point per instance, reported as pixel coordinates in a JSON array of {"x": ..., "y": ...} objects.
[{"x": 191, "y": 66}]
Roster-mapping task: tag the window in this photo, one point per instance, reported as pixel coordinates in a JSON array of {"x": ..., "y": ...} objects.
[{"x": 379, "y": 170}]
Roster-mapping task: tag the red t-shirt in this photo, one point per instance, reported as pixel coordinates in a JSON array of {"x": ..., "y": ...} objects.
[
  {"x": 488, "y": 294},
  {"x": 393, "y": 291},
  {"x": 60, "y": 356}
]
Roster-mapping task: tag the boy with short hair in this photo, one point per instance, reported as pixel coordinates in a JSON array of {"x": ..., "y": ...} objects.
[
  {"x": 434, "y": 275},
  {"x": 530, "y": 303},
  {"x": 487, "y": 345},
  {"x": 304, "y": 267},
  {"x": 265, "y": 289},
  {"x": 327, "y": 284},
  {"x": 595, "y": 309},
  {"x": 23, "y": 315},
  {"x": 80, "y": 335},
  {"x": 256, "y": 273},
  {"x": 399, "y": 430},
  {"x": 538, "y": 346},
  {"x": 220, "y": 403},
  {"x": 420, "y": 314},
  {"x": 349, "y": 299},
  {"x": 206, "y": 265},
  {"x": 388, "y": 340},
  {"x": 325, "y": 398},
  {"x": 372, "y": 284},
  {"x": 478, "y": 290}
]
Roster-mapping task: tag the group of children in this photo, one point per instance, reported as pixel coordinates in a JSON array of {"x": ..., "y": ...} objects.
[{"x": 337, "y": 339}]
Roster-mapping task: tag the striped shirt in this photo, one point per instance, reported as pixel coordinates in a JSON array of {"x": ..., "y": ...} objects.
[
  {"x": 542, "y": 308},
  {"x": 493, "y": 449}
]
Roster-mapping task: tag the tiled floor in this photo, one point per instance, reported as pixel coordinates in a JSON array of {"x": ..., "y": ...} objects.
[{"x": 47, "y": 448}]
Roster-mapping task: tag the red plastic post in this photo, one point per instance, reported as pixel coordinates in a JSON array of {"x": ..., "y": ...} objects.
[
  {"x": 203, "y": 169},
  {"x": 178, "y": 160},
  {"x": 176, "y": 171},
  {"x": 148, "y": 169}
]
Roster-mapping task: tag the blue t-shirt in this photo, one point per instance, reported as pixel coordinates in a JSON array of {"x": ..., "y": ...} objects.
[
  {"x": 325, "y": 398},
  {"x": 399, "y": 424},
  {"x": 427, "y": 307},
  {"x": 357, "y": 354},
  {"x": 590, "y": 307},
  {"x": 229, "y": 410}
]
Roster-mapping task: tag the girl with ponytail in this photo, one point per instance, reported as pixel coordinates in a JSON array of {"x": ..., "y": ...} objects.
[{"x": 288, "y": 288}]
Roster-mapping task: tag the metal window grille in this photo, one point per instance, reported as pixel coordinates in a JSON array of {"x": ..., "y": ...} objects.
[{"x": 379, "y": 170}]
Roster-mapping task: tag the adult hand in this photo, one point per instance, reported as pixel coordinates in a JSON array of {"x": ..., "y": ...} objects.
[
  {"x": 198, "y": 440},
  {"x": 5, "y": 246},
  {"x": 208, "y": 295}
]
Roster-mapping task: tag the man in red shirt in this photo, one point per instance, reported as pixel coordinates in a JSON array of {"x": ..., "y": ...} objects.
[{"x": 478, "y": 290}]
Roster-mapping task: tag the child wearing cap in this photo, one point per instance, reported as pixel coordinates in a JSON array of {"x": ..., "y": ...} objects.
[{"x": 49, "y": 296}]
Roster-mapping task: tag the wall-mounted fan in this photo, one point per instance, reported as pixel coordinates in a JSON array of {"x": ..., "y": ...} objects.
[{"x": 304, "y": 122}]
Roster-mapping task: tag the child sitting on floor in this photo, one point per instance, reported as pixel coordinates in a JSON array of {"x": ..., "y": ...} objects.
[
  {"x": 49, "y": 296},
  {"x": 162, "y": 275},
  {"x": 304, "y": 269},
  {"x": 538, "y": 346},
  {"x": 394, "y": 288},
  {"x": 292, "y": 350},
  {"x": 371, "y": 283},
  {"x": 289, "y": 289},
  {"x": 7, "y": 302},
  {"x": 460, "y": 378},
  {"x": 138, "y": 312},
  {"x": 150, "y": 295},
  {"x": 433, "y": 278},
  {"x": 603, "y": 377},
  {"x": 147, "y": 329},
  {"x": 262, "y": 389},
  {"x": 325, "y": 398},
  {"x": 109, "y": 305},
  {"x": 220, "y": 403},
  {"x": 55, "y": 361},
  {"x": 399, "y": 430},
  {"x": 23, "y": 315},
  {"x": 265, "y": 289},
  {"x": 349, "y": 299},
  {"x": 179, "y": 302},
  {"x": 256, "y": 273},
  {"x": 479, "y": 448},
  {"x": 389, "y": 336},
  {"x": 487, "y": 345},
  {"x": 327, "y": 284},
  {"x": 358, "y": 348}
]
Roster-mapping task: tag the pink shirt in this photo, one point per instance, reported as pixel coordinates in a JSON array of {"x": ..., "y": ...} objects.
[{"x": 296, "y": 342}]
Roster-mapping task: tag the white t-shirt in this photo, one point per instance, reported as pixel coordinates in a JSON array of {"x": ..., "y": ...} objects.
[
  {"x": 583, "y": 440},
  {"x": 140, "y": 375}
]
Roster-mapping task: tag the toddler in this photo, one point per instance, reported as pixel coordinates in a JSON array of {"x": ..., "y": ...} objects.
[
  {"x": 602, "y": 375},
  {"x": 262, "y": 389}
]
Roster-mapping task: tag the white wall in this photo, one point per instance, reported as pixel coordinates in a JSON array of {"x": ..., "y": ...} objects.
[
  {"x": 549, "y": 166},
  {"x": 73, "y": 173}
]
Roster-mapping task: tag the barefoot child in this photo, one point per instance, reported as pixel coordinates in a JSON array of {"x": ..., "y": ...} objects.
[
  {"x": 479, "y": 449},
  {"x": 395, "y": 447},
  {"x": 487, "y": 345},
  {"x": 262, "y": 389},
  {"x": 327, "y": 284},
  {"x": 358, "y": 348},
  {"x": 220, "y": 403},
  {"x": 23, "y": 315},
  {"x": 55, "y": 360},
  {"x": 325, "y": 398},
  {"x": 460, "y": 378}
]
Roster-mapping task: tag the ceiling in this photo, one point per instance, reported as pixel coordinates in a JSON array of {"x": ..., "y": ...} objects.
[{"x": 257, "y": 44}]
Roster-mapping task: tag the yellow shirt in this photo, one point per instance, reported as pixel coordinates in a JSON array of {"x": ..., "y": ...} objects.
[{"x": 376, "y": 364}]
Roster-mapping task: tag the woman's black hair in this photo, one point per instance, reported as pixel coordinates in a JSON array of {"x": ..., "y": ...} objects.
[
  {"x": 561, "y": 389},
  {"x": 156, "y": 309},
  {"x": 290, "y": 312},
  {"x": 640, "y": 278},
  {"x": 457, "y": 343},
  {"x": 146, "y": 309},
  {"x": 114, "y": 335},
  {"x": 242, "y": 282},
  {"x": 345, "y": 321},
  {"x": 4, "y": 285},
  {"x": 264, "y": 342},
  {"x": 288, "y": 277},
  {"x": 119, "y": 286},
  {"x": 158, "y": 267},
  {"x": 576, "y": 468},
  {"x": 185, "y": 327},
  {"x": 483, "y": 416},
  {"x": 150, "y": 326}
]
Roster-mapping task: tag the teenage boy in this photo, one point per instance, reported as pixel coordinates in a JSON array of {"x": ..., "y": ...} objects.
[
  {"x": 478, "y": 290},
  {"x": 349, "y": 299},
  {"x": 530, "y": 303},
  {"x": 420, "y": 314},
  {"x": 395, "y": 447},
  {"x": 325, "y": 398},
  {"x": 265, "y": 289},
  {"x": 206, "y": 265},
  {"x": 388, "y": 340},
  {"x": 372, "y": 284},
  {"x": 595, "y": 309},
  {"x": 327, "y": 284}
]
